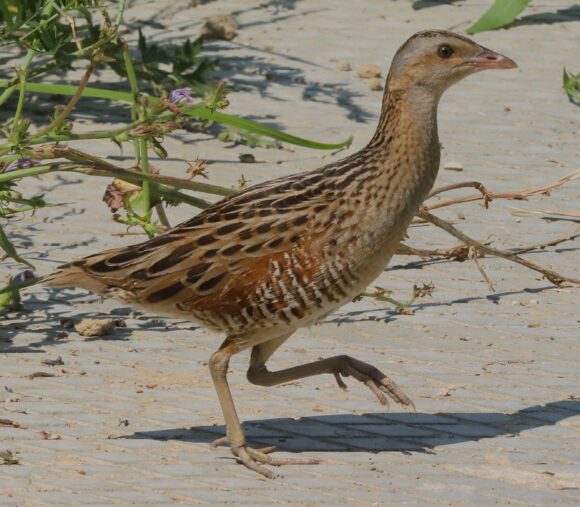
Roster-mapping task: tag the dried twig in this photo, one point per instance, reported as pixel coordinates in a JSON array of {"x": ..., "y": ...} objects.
[
  {"x": 552, "y": 276},
  {"x": 460, "y": 251},
  {"x": 522, "y": 195},
  {"x": 466, "y": 184},
  {"x": 474, "y": 254},
  {"x": 472, "y": 249}
]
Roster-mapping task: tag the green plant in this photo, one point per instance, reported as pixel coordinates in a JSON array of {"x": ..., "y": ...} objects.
[
  {"x": 54, "y": 35},
  {"x": 500, "y": 14},
  {"x": 571, "y": 84}
]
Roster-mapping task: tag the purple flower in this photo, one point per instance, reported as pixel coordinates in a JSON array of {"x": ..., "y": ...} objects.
[
  {"x": 23, "y": 276},
  {"x": 180, "y": 95},
  {"x": 21, "y": 163}
]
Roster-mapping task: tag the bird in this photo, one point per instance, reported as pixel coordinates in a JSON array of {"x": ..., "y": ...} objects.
[{"x": 283, "y": 254}]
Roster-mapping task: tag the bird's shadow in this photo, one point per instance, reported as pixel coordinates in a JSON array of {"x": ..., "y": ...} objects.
[{"x": 379, "y": 432}]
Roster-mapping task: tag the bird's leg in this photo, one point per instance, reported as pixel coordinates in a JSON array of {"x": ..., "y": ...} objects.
[
  {"x": 252, "y": 458},
  {"x": 344, "y": 366}
]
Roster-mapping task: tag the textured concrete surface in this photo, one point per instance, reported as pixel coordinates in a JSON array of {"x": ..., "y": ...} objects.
[{"x": 127, "y": 418}]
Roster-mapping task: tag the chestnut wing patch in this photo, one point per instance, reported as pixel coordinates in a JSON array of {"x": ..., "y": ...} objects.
[{"x": 219, "y": 260}]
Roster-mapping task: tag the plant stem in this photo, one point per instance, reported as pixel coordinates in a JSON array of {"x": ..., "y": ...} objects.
[
  {"x": 8, "y": 247},
  {"x": 120, "y": 12},
  {"x": 6, "y": 94},
  {"x": 140, "y": 144},
  {"x": 132, "y": 77},
  {"x": 162, "y": 215},
  {"x": 80, "y": 157},
  {"x": 64, "y": 89},
  {"x": 99, "y": 134},
  {"x": 53, "y": 125},
  {"x": 22, "y": 74},
  {"x": 144, "y": 164},
  {"x": 196, "y": 111},
  {"x": 109, "y": 171}
]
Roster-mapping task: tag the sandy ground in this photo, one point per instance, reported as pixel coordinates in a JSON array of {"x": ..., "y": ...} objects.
[{"x": 494, "y": 374}]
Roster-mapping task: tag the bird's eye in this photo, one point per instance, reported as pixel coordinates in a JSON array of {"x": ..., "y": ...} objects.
[{"x": 444, "y": 51}]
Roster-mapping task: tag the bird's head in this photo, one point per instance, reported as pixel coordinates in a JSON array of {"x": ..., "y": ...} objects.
[{"x": 435, "y": 60}]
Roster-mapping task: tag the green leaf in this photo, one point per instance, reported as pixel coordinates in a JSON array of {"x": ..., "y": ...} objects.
[
  {"x": 571, "y": 84},
  {"x": 501, "y": 13},
  {"x": 6, "y": 302},
  {"x": 258, "y": 128},
  {"x": 8, "y": 247},
  {"x": 197, "y": 112}
]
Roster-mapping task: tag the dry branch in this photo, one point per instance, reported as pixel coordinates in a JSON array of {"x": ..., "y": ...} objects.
[
  {"x": 469, "y": 248},
  {"x": 552, "y": 276},
  {"x": 522, "y": 195}
]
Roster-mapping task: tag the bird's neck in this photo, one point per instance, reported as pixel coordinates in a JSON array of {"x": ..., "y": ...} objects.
[
  {"x": 401, "y": 163},
  {"x": 407, "y": 113},
  {"x": 406, "y": 144}
]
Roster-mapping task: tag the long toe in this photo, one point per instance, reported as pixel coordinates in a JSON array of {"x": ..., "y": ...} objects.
[
  {"x": 244, "y": 457},
  {"x": 254, "y": 459},
  {"x": 378, "y": 383},
  {"x": 262, "y": 457},
  {"x": 219, "y": 441}
]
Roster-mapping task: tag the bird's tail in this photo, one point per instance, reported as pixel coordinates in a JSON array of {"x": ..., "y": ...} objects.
[
  {"x": 66, "y": 276},
  {"x": 72, "y": 275}
]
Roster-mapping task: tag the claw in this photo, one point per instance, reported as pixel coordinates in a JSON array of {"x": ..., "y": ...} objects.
[
  {"x": 339, "y": 381},
  {"x": 375, "y": 380},
  {"x": 219, "y": 441},
  {"x": 255, "y": 458},
  {"x": 245, "y": 457}
]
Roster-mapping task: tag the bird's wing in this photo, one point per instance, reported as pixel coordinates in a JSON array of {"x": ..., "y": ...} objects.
[{"x": 219, "y": 259}]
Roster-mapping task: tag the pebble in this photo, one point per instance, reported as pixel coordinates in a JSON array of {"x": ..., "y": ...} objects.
[
  {"x": 375, "y": 84},
  {"x": 219, "y": 27},
  {"x": 368, "y": 71},
  {"x": 95, "y": 327},
  {"x": 247, "y": 158}
]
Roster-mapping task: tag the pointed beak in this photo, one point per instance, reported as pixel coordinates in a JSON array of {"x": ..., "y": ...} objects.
[{"x": 488, "y": 59}]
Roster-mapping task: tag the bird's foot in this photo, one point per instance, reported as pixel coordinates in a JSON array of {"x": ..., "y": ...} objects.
[
  {"x": 255, "y": 458},
  {"x": 374, "y": 379}
]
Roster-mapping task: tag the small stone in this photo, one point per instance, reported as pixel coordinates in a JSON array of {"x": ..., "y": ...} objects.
[
  {"x": 95, "y": 327},
  {"x": 345, "y": 67},
  {"x": 219, "y": 27},
  {"x": 375, "y": 84},
  {"x": 247, "y": 158},
  {"x": 67, "y": 323},
  {"x": 368, "y": 71},
  {"x": 53, "y": 362},
  {"x": 453, "y": 166}
]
